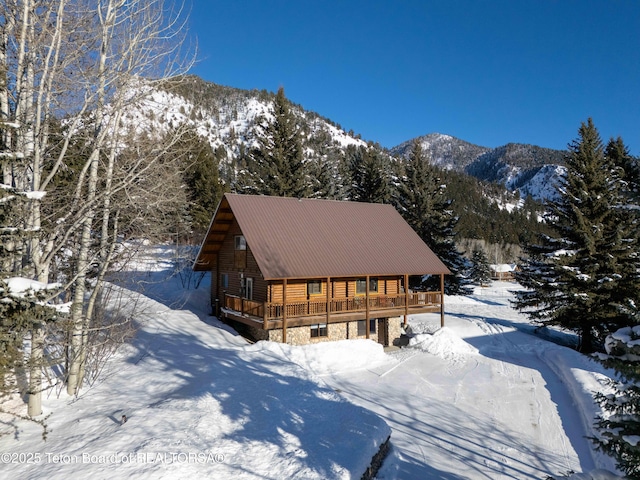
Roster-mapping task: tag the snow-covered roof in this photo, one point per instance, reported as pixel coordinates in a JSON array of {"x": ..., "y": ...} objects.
[{"x": 503, "y": 267}]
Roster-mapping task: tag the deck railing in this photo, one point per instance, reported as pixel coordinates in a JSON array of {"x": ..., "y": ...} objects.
[
  {"x": 274, "y": 310},
  {"x": 244, "y": 306}
]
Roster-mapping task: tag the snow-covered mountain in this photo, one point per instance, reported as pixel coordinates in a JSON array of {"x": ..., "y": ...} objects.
[
  {"x": 445, "y": 151},
  {"x": 529, "y": 169},
  {"x": 228, "y": 117}
]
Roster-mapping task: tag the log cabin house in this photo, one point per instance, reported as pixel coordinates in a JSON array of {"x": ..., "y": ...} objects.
[{"x": 304, "y": 270}]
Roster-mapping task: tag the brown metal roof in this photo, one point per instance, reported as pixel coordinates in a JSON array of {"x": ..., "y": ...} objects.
[{"x": 306, "y": 238}]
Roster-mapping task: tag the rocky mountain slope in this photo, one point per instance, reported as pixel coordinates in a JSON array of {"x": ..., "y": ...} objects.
[
  {"x": 528, "y": 169},
  {"x": 227, "y": 117}
]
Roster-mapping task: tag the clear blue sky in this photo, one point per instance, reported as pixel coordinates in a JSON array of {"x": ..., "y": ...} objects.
[{"x": 488, "y": 72}]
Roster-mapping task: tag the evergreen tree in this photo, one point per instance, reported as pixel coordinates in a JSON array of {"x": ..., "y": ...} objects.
[
  {"x": 24, "y": 314},
  {"x": 276, "y": 166},
  {"x": 619, "y": 154},
  {"x": 480, "y": 271},
  {"x": 326, "y": 179},
  {"x": 12, "y": 332},
  {"x": 423, "y": 204},
  {"x": 578, "y": 276},
  {"x": 619, "y": 428},
  {"x": 325, "y": 165},
  {"x": 369, "y": 176},
  {"x": 201, "y": 176}
]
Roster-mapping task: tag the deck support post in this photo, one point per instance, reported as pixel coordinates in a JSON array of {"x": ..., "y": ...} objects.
[
  {"x": 406, "y": 298},
  {"x": 329, "y": 295},
  {"x": 215, "y": 288},
  {"x": 442, "y": 300},
  {"x": 284, "y": 310},
  {"x": 366, "y": 300},
  {"x": 265, "y": 316}
]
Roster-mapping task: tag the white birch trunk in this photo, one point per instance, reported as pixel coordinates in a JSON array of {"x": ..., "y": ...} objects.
[{"x": 54, "y": 64}]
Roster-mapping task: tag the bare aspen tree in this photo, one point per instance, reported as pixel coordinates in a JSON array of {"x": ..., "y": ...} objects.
[{"x": 70, "y": 70}]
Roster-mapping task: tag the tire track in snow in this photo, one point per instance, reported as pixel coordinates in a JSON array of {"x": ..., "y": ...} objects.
[{"x": 512, "y": 361}]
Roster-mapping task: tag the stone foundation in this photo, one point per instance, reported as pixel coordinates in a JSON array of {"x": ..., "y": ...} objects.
[
  {"x": 335, "y": 331},
  {"x": 394, "y": 330}
]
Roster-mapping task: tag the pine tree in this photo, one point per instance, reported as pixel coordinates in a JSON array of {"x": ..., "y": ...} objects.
[
  {"x": 480, "y": 271},
  {"x": 579, "y": 275},
  {"x": 369, "y": 176},
  {"x": 326, "y": 179},
  {"x": 12, "y": 332},
  {"x": 24, "y": 314},
  {"x": 423, "y": 204},
  {"x": 619, "y": 154},
  {"x": 276, "y": 166},
  {"x": 619, "y": 428},
  {"x": 202, "y": 179}
]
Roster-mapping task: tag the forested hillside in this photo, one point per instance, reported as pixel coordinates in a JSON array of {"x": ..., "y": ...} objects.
[{"x": 488, "y": 208}]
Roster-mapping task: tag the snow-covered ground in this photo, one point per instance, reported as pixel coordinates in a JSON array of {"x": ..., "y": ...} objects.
[{"x": 483, "y": 398}]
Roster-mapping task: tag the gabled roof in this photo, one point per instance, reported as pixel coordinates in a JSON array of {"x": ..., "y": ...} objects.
[{"x": 311, "y": 238}]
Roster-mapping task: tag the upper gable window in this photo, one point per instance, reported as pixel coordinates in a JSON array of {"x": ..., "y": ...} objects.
[
  {"x": 241, "y": 243},
  {"x": 240, "y": 252}
]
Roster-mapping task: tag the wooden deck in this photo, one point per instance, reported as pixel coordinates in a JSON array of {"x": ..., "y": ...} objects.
[{"x": 270, "y": 315}]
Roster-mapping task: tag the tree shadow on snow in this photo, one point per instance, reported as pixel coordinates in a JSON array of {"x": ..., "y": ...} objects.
[
  {"x": 515, "y": 346},
  {"x": 487, "y": 450},
  {"x": 241, "y": 397},
  {"x": 565, "y": 339}
]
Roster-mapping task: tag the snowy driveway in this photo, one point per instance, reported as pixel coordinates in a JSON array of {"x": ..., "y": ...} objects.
[{"x": 479, "y": 400}]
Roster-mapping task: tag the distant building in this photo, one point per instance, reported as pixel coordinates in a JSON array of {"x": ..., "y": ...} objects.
[
  {"x": 503, "y": 271},
  {"x": 305, "y": 270}
]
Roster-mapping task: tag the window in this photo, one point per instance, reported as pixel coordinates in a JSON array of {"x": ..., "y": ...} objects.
[
  {"x": 224, "y": 280},
  {"x": 319, "y": 330},
  {"x": 372, "y": 325},
  {"x": 240, "y": 254},
  {"x": 241, "y": 243},
  {"x": 246, "y": 288},
  {"x": 361, "y": 285},
  {"x": 362, "y": 328},
  {"x": 314, "y": 287}
]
